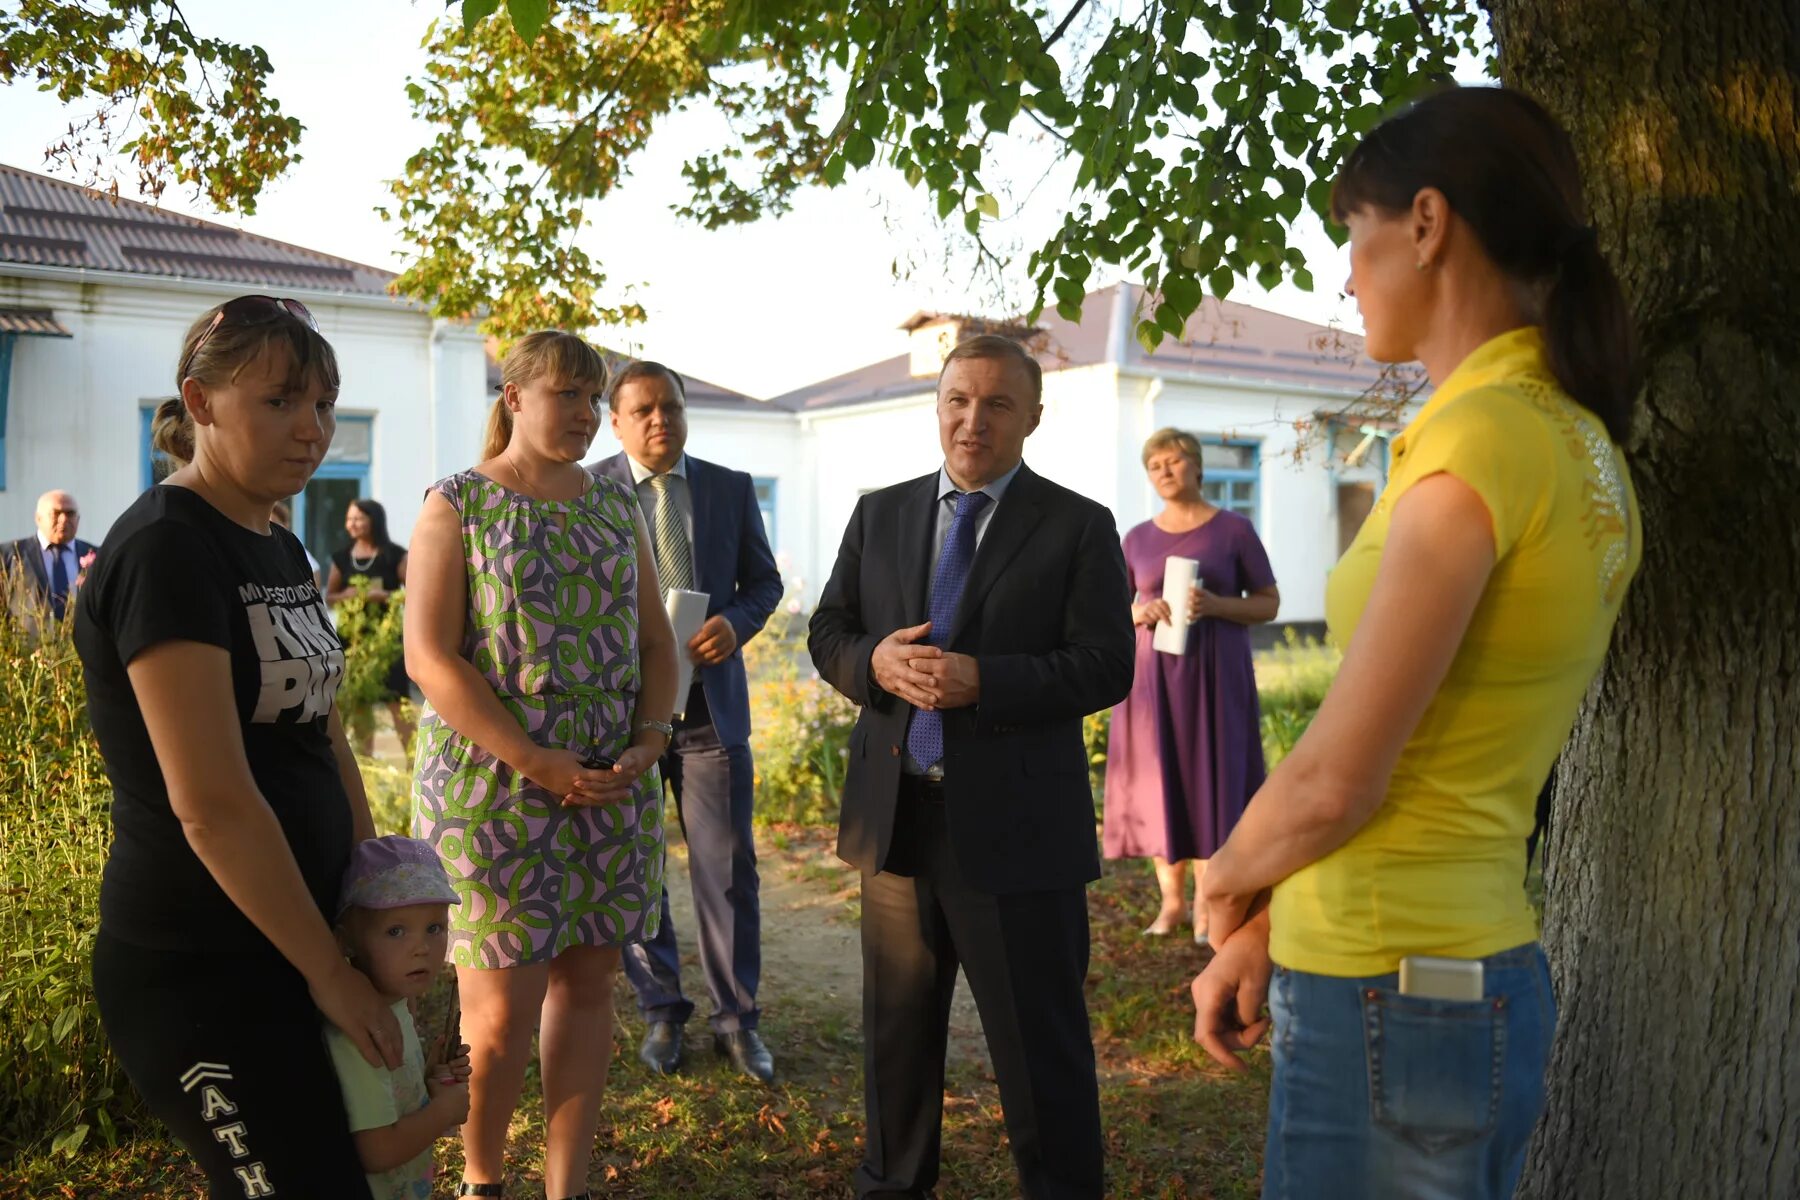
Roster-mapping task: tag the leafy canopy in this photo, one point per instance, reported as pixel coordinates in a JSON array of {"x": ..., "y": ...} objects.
[
  {"x": 1197, "y": 129},
  {"x": 178, "y": 106}
]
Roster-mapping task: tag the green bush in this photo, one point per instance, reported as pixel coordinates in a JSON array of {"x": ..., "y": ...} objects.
[
  {"x": 63, "y": 1085},
  {"x": 799, "y": 726},
  {"x": 1291, "y": 681},
  {"x": 372, "y": 645}
]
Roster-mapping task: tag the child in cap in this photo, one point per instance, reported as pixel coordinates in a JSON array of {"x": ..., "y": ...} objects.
[{"x": 393, "y": 925}]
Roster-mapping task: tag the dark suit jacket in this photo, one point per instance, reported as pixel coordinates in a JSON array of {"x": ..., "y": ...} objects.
[
  {"x": 733, "y": 565},
  {"x": 30, "y": 556},
  {"x": 1046, "y": 613}
]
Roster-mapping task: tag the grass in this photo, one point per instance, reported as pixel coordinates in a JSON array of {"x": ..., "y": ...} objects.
[{"x": 1177, "y": 1127}]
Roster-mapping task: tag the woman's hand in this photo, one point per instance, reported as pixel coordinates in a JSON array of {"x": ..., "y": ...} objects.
[
  {"x": 1229, "y": 996},
  {"x": 349, "y": 1001},
  {"x": 1201, "y": 603},
  {"x": 1150, "y": 612},
  {"x": 560, "y": 772},
  {"x": 614, "y": 786}
]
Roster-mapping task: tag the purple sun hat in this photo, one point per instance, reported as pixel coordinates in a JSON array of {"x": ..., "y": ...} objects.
[{"x": 393, "y": 872}]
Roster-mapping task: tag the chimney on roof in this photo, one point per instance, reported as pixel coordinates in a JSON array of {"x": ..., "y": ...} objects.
[{"x": 933, "y": 336}]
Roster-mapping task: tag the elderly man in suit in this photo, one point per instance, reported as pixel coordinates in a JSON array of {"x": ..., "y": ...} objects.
[
  {"x": 976, "y": 614},
  {"x": 708, "y": 536},
  {"x": 51, "y": 560}
]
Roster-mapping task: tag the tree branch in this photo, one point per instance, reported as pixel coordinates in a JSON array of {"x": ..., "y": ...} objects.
[{"x": 1067, "y": 20}]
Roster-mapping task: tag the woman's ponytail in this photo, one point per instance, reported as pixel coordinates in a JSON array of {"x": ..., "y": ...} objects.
[{"x": 1588, "y": 335}]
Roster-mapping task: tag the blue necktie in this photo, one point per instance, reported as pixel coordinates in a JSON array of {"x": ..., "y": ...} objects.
[
  {"x": 59, "y": 582},
  {"x": 925, "y": 740}
]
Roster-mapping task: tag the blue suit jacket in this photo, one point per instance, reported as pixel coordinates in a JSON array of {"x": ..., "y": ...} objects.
[
  {"x": 30, "y": 558},
  {"x": 736, "y": 570}
]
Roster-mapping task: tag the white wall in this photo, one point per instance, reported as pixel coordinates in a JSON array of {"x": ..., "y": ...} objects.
[{"x": 74, "y": 415}]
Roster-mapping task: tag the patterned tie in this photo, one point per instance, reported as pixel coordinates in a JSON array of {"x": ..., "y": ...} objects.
[
  {"x": 59, "y": 582},
  {"x": 674, "y": 556},
  {"x": 925, "y": 740}
]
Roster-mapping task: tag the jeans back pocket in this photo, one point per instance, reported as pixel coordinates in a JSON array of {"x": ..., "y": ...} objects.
[{"x": 1435, "y": 1066}]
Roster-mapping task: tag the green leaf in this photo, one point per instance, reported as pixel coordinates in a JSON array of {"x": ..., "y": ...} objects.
[
  {"x": 475, "y": 11},
  {"x": 1341, "y": 14},
  {"x": 70, "y": 1140},
  {"x": 529, "y": 17},
  {"x": 987, "y": 205},
  {"x": 1149, "y": 336},
  {"x": 859, "y": 149},
  {"x": 1220, "y": 282}
]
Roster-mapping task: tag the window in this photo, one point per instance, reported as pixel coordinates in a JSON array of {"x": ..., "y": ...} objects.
[
  {"x": 153, "y": 465},
  {"x": 319, "y": 510},
  {"x": 342, "y": 477},
  {"x": 765, "y": 503},
  {"x": 1233, "y": 469}
]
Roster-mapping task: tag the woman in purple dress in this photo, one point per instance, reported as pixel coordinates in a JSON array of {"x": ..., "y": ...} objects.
[{"x": 1185, "y": 751}]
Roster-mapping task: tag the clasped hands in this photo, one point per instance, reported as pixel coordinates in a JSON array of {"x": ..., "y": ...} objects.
[
  {"x": 925, "y": 676},
  {"x": 561, "y": 773}
]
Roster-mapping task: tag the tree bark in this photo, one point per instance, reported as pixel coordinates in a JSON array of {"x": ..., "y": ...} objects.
[{"x": 1672, "y": 907}]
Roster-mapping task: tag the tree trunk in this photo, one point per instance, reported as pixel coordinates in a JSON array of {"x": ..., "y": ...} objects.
[{"x": 1672, "y": 911}]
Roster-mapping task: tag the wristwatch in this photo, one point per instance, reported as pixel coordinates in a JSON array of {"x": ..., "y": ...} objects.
[{"x": 662, "y": 727}]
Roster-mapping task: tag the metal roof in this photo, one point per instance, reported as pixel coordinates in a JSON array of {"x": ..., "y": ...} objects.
[
  {"x": 47, "y": 222},
  {"x": 41, "y": 322}
]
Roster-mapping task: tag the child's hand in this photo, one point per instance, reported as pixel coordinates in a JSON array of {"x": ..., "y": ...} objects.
[
  {"x": 452, "y": 1099},
  {"x": 451, "y": 1069}
]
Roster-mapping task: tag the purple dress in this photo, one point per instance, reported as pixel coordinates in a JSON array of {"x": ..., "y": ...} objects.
[{"x": 1184, "y": 754}]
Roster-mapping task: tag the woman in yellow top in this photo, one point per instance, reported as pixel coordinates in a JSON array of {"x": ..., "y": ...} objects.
[{"x": 1410, "y": 999}]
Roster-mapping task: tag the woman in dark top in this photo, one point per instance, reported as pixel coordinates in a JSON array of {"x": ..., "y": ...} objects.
[
  {"x": 211, "y": 669},
  {"x": 374, "y": 557}
]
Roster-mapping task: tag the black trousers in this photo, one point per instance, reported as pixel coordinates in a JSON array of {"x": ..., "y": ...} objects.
[
  {"x": 1026, "y": 958},
  {"x": 228, "y": 1051}
]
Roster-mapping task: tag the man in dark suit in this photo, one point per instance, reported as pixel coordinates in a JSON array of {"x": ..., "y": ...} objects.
[
  {"x": 708, "y": 536},
  {"x": 51, "y": 559},
  {"x": 976, "y": 615}
]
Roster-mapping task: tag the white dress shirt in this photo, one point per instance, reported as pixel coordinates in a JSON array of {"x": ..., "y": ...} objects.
[{"x": 678, "y": 492}]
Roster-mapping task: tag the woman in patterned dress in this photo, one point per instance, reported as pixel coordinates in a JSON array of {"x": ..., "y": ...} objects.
[{"x": 533, "y": 628}]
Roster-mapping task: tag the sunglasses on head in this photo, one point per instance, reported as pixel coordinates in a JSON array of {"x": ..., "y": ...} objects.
[{"x": 250, "y": 310}]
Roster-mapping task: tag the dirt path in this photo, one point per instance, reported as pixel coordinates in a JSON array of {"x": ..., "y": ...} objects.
[{"x": 812, "y": 956}]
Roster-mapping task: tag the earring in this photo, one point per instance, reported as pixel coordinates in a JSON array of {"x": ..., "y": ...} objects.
[{"x": 1420, "y": 265}]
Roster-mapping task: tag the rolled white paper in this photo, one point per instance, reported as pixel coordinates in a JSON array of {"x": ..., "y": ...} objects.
[
  {"x": 1179, "y": 576},
  {"x": 687, "y": 612}
]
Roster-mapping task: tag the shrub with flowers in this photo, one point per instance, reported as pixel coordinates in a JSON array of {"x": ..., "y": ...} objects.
[{"x": 799, "y": 724}]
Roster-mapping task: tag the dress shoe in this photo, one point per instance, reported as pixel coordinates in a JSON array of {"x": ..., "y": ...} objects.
[
  {"x": 745, "y": 1049},
  {"x": 661, "y": 1051}
]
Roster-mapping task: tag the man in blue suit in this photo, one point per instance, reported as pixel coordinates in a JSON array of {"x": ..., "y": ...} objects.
[
  {"x": 708, "y": 536},
  {"x": 51, "y": 562}
]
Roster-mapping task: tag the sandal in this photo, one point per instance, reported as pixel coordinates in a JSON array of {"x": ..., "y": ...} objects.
[{"x": 479, "y": 1189}]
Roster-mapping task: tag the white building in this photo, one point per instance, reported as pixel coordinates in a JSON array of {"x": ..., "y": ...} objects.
[{"x": 95, "y": 296}]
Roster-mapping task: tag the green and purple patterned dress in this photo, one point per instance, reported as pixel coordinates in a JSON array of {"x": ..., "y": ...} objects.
[{"x": 553, "y": 628}]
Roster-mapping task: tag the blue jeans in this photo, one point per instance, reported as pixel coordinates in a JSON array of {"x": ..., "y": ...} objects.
[{"x": 1395, "y": 1097}]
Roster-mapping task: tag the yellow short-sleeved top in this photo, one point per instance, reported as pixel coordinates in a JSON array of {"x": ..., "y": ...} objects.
[{"x": 1440, "y": 867}]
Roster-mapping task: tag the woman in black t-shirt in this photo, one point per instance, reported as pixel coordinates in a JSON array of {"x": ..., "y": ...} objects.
[
  {"x": 211, "y": 669},
  {"x": 374, "y": 556}
]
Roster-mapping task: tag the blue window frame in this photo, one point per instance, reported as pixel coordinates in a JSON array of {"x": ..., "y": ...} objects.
[
  {"x": 1233, "y": 479},
  {"x": 153, "y": 465},
  {"x": 765, "y": 503},
  {"x": 319, "y": 510}
]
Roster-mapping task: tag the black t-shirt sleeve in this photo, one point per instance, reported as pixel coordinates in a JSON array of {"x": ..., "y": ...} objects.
[{"x": 164, "y": 586}]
